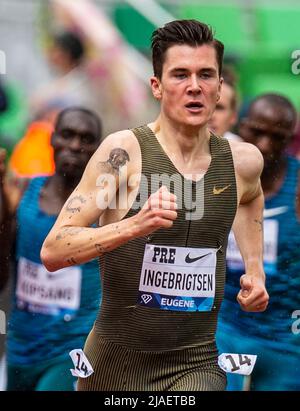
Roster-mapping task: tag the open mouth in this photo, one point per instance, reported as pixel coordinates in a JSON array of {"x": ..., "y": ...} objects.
[{"x": 194, "y": 106}]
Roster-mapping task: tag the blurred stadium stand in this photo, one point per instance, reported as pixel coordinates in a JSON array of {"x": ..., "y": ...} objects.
[{"x": 259, "y": 36}]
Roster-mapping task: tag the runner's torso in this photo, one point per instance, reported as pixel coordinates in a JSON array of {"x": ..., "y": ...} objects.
[{"x": 163, "y": 291}]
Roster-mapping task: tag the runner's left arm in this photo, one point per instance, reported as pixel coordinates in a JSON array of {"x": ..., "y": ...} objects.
[{"x": 248, "y": 228}]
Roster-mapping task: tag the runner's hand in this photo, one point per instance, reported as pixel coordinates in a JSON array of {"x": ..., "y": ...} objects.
[
  {"x": 159, "y": 211},
  {"x": 253, "y": 296}
]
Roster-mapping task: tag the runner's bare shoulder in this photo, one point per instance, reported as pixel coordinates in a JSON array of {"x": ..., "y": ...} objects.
[
  {"x": 119, "y": 149},
  {"x": 248, "y": 160}
]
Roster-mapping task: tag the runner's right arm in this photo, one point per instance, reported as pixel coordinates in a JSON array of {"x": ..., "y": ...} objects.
[{"x": 72, "y": 240}]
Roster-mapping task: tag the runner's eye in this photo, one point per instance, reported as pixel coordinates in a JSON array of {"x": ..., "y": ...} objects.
[
  {"x": 87, "y": 139},
  {"x": 206, "y": 75},
  {"x": 180, "y": 76},
  {"x": 66, "y": 134}
]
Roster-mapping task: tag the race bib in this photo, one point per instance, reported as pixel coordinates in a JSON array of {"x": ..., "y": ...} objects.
[
  {"x": 40, "y": 291},
  {"x": 178, "y": 278},
  {"x": 82, "y": 367},
  {"x": 234, "y": 259},
  {"x": 237, "y": 363}
]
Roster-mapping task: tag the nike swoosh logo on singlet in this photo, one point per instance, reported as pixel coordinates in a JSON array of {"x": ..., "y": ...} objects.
[
  {"x": 217, "y": 191},
  {"x": 189, "y": 260},
  {"x": 272, "y": 212}
]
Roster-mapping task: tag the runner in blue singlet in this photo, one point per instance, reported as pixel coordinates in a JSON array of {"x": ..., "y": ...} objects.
[{"x": 271, "y": 335}]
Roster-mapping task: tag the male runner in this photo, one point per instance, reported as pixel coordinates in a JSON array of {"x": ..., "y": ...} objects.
[{"x": 163, "y": 255}]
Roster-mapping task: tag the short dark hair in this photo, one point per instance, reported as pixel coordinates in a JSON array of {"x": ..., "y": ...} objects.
[
  {"x": 71, "y": 44},
  {"x": 81, "y": 110},
  {"x": 179, "y": 32}
]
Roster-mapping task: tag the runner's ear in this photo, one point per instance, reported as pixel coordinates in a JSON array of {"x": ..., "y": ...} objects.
[{"x": 156, "y": 87}]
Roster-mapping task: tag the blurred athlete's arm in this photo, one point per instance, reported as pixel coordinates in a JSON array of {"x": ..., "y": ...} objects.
[
  {"x": 6, "y": 223},
  {"x": 72, "y": 240},
  {"x": 248, "y": 227}
]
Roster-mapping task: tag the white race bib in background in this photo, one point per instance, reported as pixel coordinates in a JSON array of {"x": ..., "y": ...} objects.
[
  {"x": 233, "y": 256},
  {"x": 43, "y": 292}
]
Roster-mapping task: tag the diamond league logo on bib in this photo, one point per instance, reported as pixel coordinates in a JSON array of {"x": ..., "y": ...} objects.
[
  {"x": 146, "y": 298},
  {"x": 178, "y": 278}
]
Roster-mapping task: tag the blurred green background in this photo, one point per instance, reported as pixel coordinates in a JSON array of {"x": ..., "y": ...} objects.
[{"x": 259, "y": 38}]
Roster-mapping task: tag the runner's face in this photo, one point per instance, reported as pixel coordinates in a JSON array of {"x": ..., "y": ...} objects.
[
  {"x": 268, "y": 129},
  {"x": 224, "y": 116},
  {"x": 74, "y": 142},
  {"x": 189, "y": 86}
]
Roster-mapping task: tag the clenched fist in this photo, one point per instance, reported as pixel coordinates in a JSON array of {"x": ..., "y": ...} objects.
[
  {"x": 253, "y": 296},
  {"x": 159, "y": 211}
]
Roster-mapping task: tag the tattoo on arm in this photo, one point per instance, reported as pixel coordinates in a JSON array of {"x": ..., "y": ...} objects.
[
  {"x": 100, "y": 249},
  {"x": 69, "y": 231},
  {"x": 74, "y": 204},
  {"x": 260, "y": 224},
  {"x": 71, "y": 261},
  {"x": 117, "y": 159}
]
